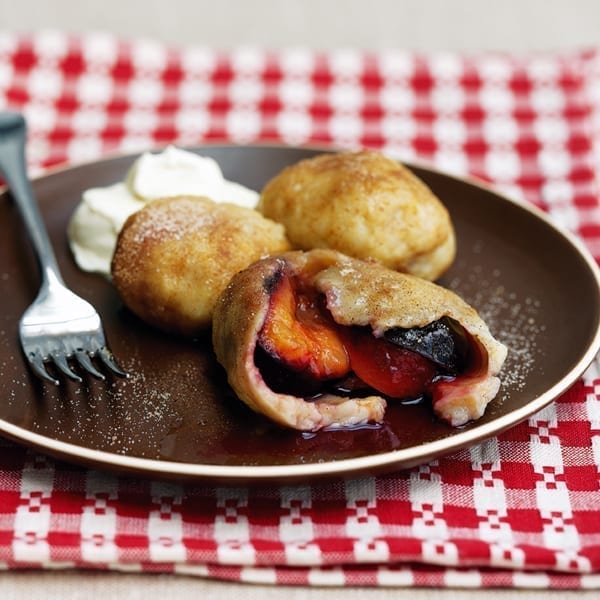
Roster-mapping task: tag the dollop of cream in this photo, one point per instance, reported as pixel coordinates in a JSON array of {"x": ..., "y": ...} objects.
[{"x": 102, "y": 212}]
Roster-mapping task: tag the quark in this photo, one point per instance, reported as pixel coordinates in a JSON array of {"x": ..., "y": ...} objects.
[{"x": 99, "y": 217}]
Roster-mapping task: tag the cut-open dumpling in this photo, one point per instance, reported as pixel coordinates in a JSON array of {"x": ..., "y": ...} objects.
[{"x": 317, "y": 339}]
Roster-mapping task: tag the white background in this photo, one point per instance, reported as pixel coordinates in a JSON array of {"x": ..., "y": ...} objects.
[{"x": 417, "y": 24}]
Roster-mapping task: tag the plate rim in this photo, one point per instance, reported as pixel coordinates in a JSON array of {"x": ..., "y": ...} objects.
[{"x": 372, "y": 463}]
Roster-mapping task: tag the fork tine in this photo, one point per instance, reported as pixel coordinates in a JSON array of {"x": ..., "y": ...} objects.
[
  {"x": 107, "y": 358},
  {"x": 37, "y": 364},
  {"x": 61, "y": 362},
  {"x": 84, "y": 360}
]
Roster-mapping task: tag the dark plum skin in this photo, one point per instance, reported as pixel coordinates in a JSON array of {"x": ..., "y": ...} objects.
[{"x": 443, "y": 342}]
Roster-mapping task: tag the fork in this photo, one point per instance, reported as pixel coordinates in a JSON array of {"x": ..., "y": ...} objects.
[{"x": 59, "y": 327}]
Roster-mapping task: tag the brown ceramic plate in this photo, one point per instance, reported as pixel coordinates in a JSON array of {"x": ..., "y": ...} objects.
[{"x": 176, "y": 417}]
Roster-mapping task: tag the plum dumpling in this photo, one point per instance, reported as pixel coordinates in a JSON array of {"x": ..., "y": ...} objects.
[
  {"x": 318, "y": 339},
  {"x": 366, "y": 205}
]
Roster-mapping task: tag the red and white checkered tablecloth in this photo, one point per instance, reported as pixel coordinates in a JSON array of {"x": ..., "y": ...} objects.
[{"x": 521, "y": 509}]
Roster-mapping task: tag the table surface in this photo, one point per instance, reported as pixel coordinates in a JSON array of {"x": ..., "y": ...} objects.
[
  {"x": 84, "y": 586},
  {"x": 419, "y": 24}
]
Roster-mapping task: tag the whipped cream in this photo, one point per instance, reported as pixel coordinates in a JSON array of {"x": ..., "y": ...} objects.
[{"x": 102, "y": 212}]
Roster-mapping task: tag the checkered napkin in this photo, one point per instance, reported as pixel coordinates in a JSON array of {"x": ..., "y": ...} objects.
[{"x": 521, "y": 509}]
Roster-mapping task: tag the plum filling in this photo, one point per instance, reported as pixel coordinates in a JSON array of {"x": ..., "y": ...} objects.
[
  {"x": 444, "y": 342},
  {"x": 302, "y": 351}
]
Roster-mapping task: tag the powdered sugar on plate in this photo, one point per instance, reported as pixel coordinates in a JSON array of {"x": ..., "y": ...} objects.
[{"x": 513, "y": 318}]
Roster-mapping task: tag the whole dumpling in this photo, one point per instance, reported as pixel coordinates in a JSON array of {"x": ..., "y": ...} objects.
[
  {"x": 364, "y": 205},
  {"x": 175, "y": 256}
]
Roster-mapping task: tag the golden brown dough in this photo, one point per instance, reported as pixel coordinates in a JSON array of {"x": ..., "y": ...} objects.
[
  {"x": 175, "y": 256},
  {"x": 358, "y": 295},
  {"x": 364, "y": 205}
]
